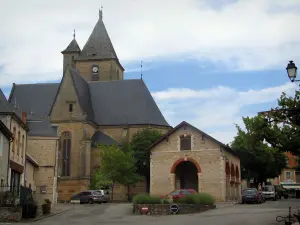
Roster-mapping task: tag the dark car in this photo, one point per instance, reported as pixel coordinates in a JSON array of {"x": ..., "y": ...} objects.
[
  {"x": 87, "y": 197},
  {"x": 179, "y": 193},
  {"x": 252, "y": 195}
]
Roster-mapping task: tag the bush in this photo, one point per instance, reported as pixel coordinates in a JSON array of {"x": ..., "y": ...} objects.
[
  {"x": 146, "y": 199},
  {"x": 200, "y": 198}
]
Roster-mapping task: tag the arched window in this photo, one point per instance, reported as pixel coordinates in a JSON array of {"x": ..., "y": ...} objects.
[
  {"x": 23, "y": 145},
  {"x": 66, "y": 152}
]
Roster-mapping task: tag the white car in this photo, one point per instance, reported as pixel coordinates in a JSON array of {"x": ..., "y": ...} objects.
[{"x": 269, "y": 192}]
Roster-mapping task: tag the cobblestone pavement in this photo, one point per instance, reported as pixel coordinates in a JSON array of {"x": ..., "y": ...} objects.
[{"x": 230, "y": 214}]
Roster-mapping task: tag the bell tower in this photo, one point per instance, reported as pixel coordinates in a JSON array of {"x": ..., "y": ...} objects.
[
  {"x": 71, "y": 53},
  {"x": 97, "y": 61}
]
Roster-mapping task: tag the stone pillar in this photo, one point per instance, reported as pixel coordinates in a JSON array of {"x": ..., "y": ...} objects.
[
  {"x": 199, "y": 182},
  {"x": 173, "y": 180}
]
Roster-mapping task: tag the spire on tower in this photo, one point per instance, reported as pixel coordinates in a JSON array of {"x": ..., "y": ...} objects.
[
  {"x": 74, "y": 34},
  {"x": 101, "y": 12}
]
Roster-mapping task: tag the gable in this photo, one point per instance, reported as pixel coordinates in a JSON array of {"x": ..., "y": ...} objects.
[
  {"x": 66, "y": 96},
  {"x": 199, "y": 140}
]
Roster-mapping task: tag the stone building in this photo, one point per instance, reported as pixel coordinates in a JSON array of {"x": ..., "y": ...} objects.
[
  {"x": 16, "y": 154},
  {"x": 5, "y": 138},
  {"x": 92, "y": 105},
  {"x": 186, "y": 157}
]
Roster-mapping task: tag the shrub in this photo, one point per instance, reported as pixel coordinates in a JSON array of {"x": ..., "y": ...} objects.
[
  {"x": 146, "y": 199},
  {"x": 200, "y": 198}
]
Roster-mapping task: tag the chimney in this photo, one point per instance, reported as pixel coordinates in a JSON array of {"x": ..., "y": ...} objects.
[{"x": 24, "y": 117}]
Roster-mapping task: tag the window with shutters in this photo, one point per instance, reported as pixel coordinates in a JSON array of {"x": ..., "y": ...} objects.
[
  {"x": 185, "y": 142},
  {"x": 66, "y": 152}
]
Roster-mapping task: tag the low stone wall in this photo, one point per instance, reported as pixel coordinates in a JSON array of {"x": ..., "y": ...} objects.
[
  {"x": 164, "y": 209},
  {"x": 10, "y": 214}
]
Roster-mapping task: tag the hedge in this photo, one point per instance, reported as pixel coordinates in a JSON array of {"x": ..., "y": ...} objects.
[
  {"x": 146, "y": 199},
  {"x": 200, "y": 198}
]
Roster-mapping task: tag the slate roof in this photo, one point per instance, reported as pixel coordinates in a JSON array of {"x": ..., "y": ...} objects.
[
  {"x": 36, "y": 100},
  {"x": 113, "y": 103},
  {"x": 124, "y": 102},
  {"x": 72, "y": 47},
  {"x": 101, "y": 138},
  {"x": 99, "y": 45},
  {"x": 83, "y": 93},
  {"x": 5, "y": 107}
]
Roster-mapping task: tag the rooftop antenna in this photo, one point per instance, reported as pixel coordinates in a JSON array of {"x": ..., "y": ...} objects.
[
  {"x": 74, "y": 34},
  {"x": 141, "y": 70}
]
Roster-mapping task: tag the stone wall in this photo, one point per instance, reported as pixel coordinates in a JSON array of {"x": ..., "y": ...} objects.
[
  {"x": 10, "y": 214},
  {"x": 108, "y": 69},
  {"x": 44, "y": 151},
  {"x": 164, "y": 209},
  {"x": 205, "y": 152}
]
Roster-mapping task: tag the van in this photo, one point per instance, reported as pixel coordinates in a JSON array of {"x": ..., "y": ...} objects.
[{"x": 269, "y": 192}]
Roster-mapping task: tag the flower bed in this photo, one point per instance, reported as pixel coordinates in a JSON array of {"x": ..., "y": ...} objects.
[
  {"x": 10, "y": 214},
  {"x": 152, "y": 205}
]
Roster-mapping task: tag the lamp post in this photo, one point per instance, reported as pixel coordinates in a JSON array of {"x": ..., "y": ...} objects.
[{"x": 292, "y": 71}]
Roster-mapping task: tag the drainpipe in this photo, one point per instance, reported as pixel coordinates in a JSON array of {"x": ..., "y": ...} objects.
[{"x": 8, "y": 160}]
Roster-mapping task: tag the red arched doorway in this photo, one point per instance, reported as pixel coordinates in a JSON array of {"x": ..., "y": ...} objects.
[{"x": 186, "y": 174}]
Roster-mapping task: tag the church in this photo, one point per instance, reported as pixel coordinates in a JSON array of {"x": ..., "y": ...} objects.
[{"x": 93, "y": 104}]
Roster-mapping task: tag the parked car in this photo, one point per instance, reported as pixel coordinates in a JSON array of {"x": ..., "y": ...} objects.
[
  {"x": 105, "y": 195},
  {"x": 87, "y": 197},
  {"x": 252, "y": 195},
  {"x": 179, "y": 193},
  {"x": 269, "y": 192}
]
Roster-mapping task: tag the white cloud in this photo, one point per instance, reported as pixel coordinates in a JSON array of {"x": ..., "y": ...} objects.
[
  {"x": 243, "y": 34},
  {"x": 216, "y": 110}
]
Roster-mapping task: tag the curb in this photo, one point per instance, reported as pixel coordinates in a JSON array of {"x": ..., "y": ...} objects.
[{"x": 51, "y": 214}]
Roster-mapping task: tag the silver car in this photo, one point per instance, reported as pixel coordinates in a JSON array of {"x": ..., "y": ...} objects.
[
  {"x": 87, "y": 197},
  {"x": 104, "y": 195}
]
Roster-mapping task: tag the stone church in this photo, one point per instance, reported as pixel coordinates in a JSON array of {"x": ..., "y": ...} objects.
[{"x": 92, "y": 105}]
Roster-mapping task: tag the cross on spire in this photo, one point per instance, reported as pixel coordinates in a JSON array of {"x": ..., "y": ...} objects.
[
  {"x": 101, "y": 12},
  {"x": 74, "y": 34}
]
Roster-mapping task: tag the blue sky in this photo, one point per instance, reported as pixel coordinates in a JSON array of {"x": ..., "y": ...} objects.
[{"x": 207, "y": 62}]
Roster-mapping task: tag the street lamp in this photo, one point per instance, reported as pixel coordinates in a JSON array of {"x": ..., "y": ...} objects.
[{"x": 292, "y": 71}]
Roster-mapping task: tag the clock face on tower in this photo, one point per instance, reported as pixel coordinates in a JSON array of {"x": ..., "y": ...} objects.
[{"x": 95, "y": 69}]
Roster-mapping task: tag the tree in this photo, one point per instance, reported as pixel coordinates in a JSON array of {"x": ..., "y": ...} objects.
[
  {"x": 140, "y": 143},
  {"x": 259, "y": 161},
  {"x": 117, "y": 166},
  {"x": 282, "y": 124},
  {"x": 100, "y": 181}
]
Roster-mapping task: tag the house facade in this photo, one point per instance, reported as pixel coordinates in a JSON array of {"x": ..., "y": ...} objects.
[
  {"x": 187, "y": 158},
  {"x": 5, "y": 138},
  {"x": 17, "y": 151}
]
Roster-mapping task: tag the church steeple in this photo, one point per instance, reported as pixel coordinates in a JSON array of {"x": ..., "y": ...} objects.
[
  {"x": 71, "y": 53},
  {"x": 99, "y": 45},
  {"x": 73, "y": 46}
]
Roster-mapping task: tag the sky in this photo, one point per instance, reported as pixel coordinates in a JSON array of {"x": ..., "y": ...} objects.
[{"x": 207, "y": 62}]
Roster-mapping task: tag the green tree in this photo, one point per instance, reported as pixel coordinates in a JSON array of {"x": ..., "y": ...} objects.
[
  {"x": 282, "y": 124},
  {"x": 117, "y": 166},
  {"x": 100, "y": 181},
  {"x": 259, "y": 161},
  {"x": 140, "y": 143}
]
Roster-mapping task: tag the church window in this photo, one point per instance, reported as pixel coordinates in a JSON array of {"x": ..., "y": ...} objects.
[
  {"x": 19, "y": 138},
  {"x": 70, "y": 107},
  {"x": 66, "y": 150},
  {"x": 185, "y": 142}
]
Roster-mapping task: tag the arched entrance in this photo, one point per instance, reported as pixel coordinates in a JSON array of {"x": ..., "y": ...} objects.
[{"x": 186, "y": 174}]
